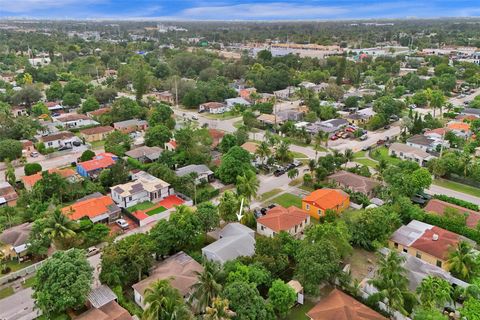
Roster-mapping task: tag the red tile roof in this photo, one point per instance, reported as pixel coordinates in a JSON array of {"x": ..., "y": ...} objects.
[
  {"x": 101, "y": 161},
  {"x": 283, "y": 219},
  {"x": 438, "y": 206},
  {"x": 437, "y": 248},
  {"x": 326, "y": 198},
  {"x": 31, "y": 180},
  {"x": 88, "y": 208}
]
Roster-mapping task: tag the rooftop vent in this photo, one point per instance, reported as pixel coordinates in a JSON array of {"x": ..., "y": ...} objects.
[{"x": 435, "y": 237}]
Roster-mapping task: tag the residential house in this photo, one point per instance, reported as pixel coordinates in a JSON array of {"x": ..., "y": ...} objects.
[
  {"x": 286, "y": 93},
  {"x": 426, "y": 242},
  {"x": 329, "y": 126},
  {"x": 292, "y": 220},
  {"x": 321, "y": 200},
  {"x": 236, "y": 101},
  {"x": 213, "y": 107},
  {"x": 27, "y": 147},
  {"x": 103, "y": 305},
  {"x": 354, "y": 182},
  {"x": 361, "y": 117},
  {"x": 438, "y": 206},
  {"x": 18, "y": 111},
  {"x": 425, "y": 143},
  {"x": 460, "y": 129},
  {"x": 14, "y": 241},
  {"x": 292, "y": 115},
  {"x": 236, "y": 240},
  {"x": 96, "y": 133},
  {"x": 171, "y": 145},
  {"x": 249, "y": 146},
  {"x": 60, "y": 139},
  {"x": 470, "y": 112},
  {"x": 144, "y": 187},
  {"x": 202, "y": 172},
  {"x": 67, "y": 173},
  {"x": 131, "y": 125},
  {"x": 98, "y": 112},
  {"x": 145, "y": 154},
  {"x": 269, "y": 119},
  {"x": 406, "y": 152},
  {"x": 164, "y": 96},
  {"x": 265, "y": 97},
  {"x": 437, "y": 134},
  {"x": 8, "y": 195},
  {"x": 92, "y": 168},
  {"x": 217, "y": 136},
  {"x": 246, "y": 93},
  {"x": 180, "y": 270},
  {"x": 73, "y": 120},
  {"x": 341, "y": 306},
  {"x": 96, "y": 207},
  {"x": 54, "y": 106}
]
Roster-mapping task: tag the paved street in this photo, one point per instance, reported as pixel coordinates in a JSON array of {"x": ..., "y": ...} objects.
[
  {"x": 19, "y": 306},
  {"x": 434, "y": 189},
  {"x": 459, "y": 101}
]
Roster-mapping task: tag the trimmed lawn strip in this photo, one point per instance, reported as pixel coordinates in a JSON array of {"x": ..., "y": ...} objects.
[
  {"x": 29, "y": 282},
  {"x": 141, "y": 206},
  {"x": 6, "y": 292},
  {"x": 366, "y": 162},
  {"x": 299, "y": 155},
  {"x": 299, "y": 311},
  {"x": 14, "y": 265},
  {"x": 224, "y": 116},
  {"x": 459, "y": 187},
  {"x": 287, "y": 200},
  {"x": 269, "y": 194},
  {"x": 156, "y": 210}
]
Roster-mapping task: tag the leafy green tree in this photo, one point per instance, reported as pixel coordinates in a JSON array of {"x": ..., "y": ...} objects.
[
  {"x": 157, "y": 135},
  {"x": 75, "y": 86},
  {"x": 428, "y": 314},
  {"x": 164, "y": 303},
  {"x": 207, "y": 288},
  {"x": 10, "y": 149},
  {"x": 141, "y": 78},
  {"x": 54, "y": 92},
  {"x": 219, "y": 310},
  {"x": 71, "y": 99},
  {"x": 90, "y": 104},
  {"x": 246, "y": 302},
  {"x": 161, "y": 114},
  {"x": 234, "y": 163},
  {"x": 229, "y": 206},
  {"x": 10, "y": 176},
  {"x": 228, "y": 141},
  {"x": 124, "y": 109},
  {"x": 60, "y": 228},
  {"x": 62, "y": 282},
  {"x": 28, "y": 95},
  {"x": 462, "y": 262},
  {"x": 434, "y": 292},
  {"x": 32, "y": 168},
  {"x": 39, "y": 108},
  {"x": 87, "y": 155},
  {"x": 105, "y": 95},
  {"x": 471, "y": 309},
  {"x": 116, "y": 174},
  {"x": 263, "y": 151},
  {"x": 209, "y": 217},
  {"x": 52, "y": 185},
  {"x": 118, "y": 143},
  {"x": 282, "y": 297}
]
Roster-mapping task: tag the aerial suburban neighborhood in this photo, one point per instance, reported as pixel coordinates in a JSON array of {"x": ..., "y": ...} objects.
[{"x": 242, "y": 170}]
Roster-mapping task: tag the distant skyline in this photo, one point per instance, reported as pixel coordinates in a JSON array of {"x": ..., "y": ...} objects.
[{"x": 238, "y": 9}]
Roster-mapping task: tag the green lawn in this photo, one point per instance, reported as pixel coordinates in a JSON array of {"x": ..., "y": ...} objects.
[
  {"x": 6, "y": 292},
  {"x": 299, "y": 311},
  {"x": 97, "y": 144},
  {"x": 382, "y": 153},
  {"x": 457, "y": 187},
  {"x": 155, "y": 211},
  {"x": 29, "y": 282},
  {"x": 287, "y": 200},
  {"x": 224, "y": 116},
  {"x": 269, "y": 194},
  {"x": 366, "y": 162},
  {"x": 141, "y": 206},
  {"x": 299, "y": 155},
  {"x": 14, "y": 265},
  {"x": 359, "y": 154}
]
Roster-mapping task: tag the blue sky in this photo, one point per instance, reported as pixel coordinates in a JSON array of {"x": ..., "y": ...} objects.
[{"x": 238, "y": 9}]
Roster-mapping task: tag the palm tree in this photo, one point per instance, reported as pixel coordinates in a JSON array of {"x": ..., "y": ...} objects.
[
  {"x": 247, "y": 185},
  {"x": 462, "y": 262},
  {"x": 292, "y": 173},
  {"x": 164, "y": 303},
  {"x": 466, "y": 161},
  {"x": 207, "y": 288},
  {"x": 312, "y": 164},
  {"x": 283, "y": 153},
  {"x": 434, "y": 292},
  {"x": 382, "y": 165},
  {"x": 219, "y": 310},
  {"x": 348, "y": 154},
  {"x": 60, "y": 227},
  {"x": 263, "y": 151}
]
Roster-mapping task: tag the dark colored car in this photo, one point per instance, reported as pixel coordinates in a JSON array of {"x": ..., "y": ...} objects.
[
  {"x": 271, "y": 206},
  {"x": 64, "y": 148},
  {"x": 278, "y": 172},
  {"x": 380, "y": 142},
  {"x": 386, "y": 127},
  {"x": 76, "y": 143}
]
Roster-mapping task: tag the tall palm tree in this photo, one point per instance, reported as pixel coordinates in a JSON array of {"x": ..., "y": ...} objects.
[
  {"x": 292, "y": 173},
  {"x": 263, "y": 151},
  {"x": 283, "y": 153},
  {"x": 164, "y": 303},
  {"x": 434, "y": 292},
  {"x": 312, "y": 164},
  {"x": 219, "y": 310},
  {"x": 60, "y": 227},
  {"x": 462, "y": 262},
  {"x": 348, "y": 154},
  {"x": 207, "y": 288},
  {"x": 247, "y": 185}
]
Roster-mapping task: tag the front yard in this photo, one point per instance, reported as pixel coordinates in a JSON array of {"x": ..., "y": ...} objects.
[
  {"x": 382, "y": 154},
  {"x": 6, "y": 292},
  {"x": 287, "y": 200},
  {"x": 223, "y": 116},
  {"x": 156, "y": 210},
  {"x": 141, "y": 206}
]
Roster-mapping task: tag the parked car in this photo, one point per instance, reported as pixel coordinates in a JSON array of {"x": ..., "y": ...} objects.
[
  {"x": 365, "y": 148},
  {"x": 290, "y": 166},
  {"x": 64, "y": 148},
  {"x": 92, "y": 251},
  {"x": 413, "y": 106},
  {"x": 278, "y": 172},
  {"x": 333, "y": 138},
  {"x": 55, "y": 114},
  {"x": 386, "y": 127},
  {"x": 350, "y": 129},
  {"x": 380, "y": 142},
  {"x": 77, "y": 143},
  {"x": 394, "y": 118},
  {"x": 34, "y": 154},
  {"x": 345, "y": 135},
  {"x": 271, "y": 206},
  {"x": 122, "y": 223},
  {"x": 363, "y": 138},
  {"x": 297, "y": 163},
  {"x": 194, "y": 117}
]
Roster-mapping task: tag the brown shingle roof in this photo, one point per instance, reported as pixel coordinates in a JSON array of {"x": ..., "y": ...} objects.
[
  {"x": 340, "y": 306},
  {"x": 7, "y": 191},
  {"x": 96, "y": 130},
  {"x": 354, "y": 181},
  {"x": 58, "y": 136}
]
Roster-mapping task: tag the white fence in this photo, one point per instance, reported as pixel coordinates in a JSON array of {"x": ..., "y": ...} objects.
[{"x": 12, "y": 276}]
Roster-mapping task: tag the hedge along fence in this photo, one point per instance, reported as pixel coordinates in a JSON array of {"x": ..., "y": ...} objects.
[
  {"x": 456, "y": 201},
  {"x": 445, "y": 223}
]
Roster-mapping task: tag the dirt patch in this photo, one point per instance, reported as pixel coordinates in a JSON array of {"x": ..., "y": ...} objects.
[{"x": 361, "y": 263}]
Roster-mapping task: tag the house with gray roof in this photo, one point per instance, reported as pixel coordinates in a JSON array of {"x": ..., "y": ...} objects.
[
  {"x": 202, "y": 172},
  {"x": 406, "y": 152},
  {"x": 329, "y": 126},
  {"x": 236, "y": 240},
  {"x": 14, "y": 241},
  {"x": 145, "y": 154}
]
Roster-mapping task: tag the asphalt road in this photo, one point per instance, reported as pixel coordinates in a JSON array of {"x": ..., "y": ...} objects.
[
  {"x": 434, "y": 189},
  {"x": 19, "y": 306}
]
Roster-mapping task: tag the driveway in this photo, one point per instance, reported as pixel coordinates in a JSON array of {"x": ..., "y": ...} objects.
[{"x": 19, "y": 306}]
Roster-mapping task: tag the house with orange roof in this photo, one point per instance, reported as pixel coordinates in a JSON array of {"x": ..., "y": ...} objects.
[
  {"x": 292, "y": 220},
  {"x": 461, "y": 129},
  {"x": 92, "y": 168},
  {"x": 170, "y": 145},
  {"x": 96, "y": 207},
  {"x": 321, "y": 200},
  {"x": 67, "y": 173}
]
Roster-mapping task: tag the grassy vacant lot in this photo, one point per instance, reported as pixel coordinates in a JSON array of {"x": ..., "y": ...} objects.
[
  {"x": 287, "y": 200},
  {"x": 269, "y": 194},
  {"x": 97, "y": 144},
  {"x": 6, "y": 292},
  {"x": 155, "y": 211},
  {"x": 457, "y": 187},
  {"x": 141, "y": 206},
  {"x": 360, "y": 262}
]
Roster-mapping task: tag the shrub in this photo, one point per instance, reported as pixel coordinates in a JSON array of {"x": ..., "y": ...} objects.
[
  {"x": 457, "y": 202},
  {"x": 32, "y": 168}
]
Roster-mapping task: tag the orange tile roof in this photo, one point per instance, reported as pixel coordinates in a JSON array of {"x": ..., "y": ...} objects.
[
  {"x": 101, "y": 161},
  {"x": 88, "y": 208},
  {"x": 460, "y": 126},
  {"x": 282, "y": 219},
  {"x": 340, "y": 306},
  {"x": 326, "y": 198},
  {"x": 34, "y": 178},
  {"x": 438, "y": 248}
]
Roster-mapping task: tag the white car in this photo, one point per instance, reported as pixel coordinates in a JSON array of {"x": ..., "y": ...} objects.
[
  {"x": 194, "y": 117},
  {"x": 92, "y": 251},
  {"x": 122, "y": 223},
  {"x": 34, "y": 154}
]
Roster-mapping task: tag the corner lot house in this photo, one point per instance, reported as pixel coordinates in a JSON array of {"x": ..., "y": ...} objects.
[
  {"x": 354, "y": 182},
  {"x": 145, "y": 187},
  {"x": 8, "y": 195},
  {"x": 60, "y": 139},
  {"x": 14, "y": 241},
  {"x": 180, "y": 269},
  {"x": 234, "y": 101},
  {"x": 213, "y": 107},
  {"x": 92, "y": 168},
  {"x": 236, "y": 240},
  {"x": 96, "y": 207},
  {"x": 321, "y": 200},
  {"x": 292, "y": 220},
  {"x": 131, "y": 125},
  {"x": 426, "y": 242},
  {"x": 202, "y": 172},
  {"x": 95, "y": 134},
  {"x": 405, "y": 152}
]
